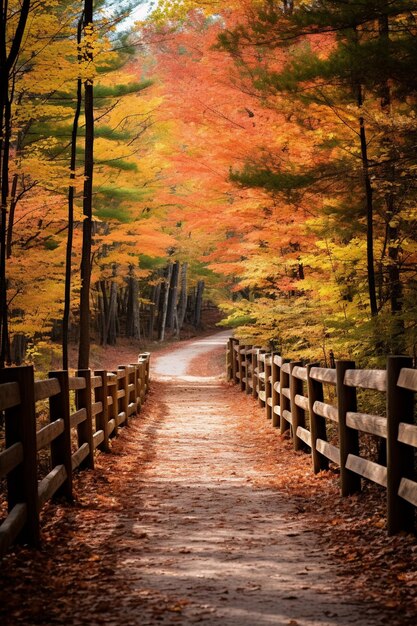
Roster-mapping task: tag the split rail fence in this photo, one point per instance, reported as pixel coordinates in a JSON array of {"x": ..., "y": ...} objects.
[
  {"x": 293, "y": 396},
  {"x": 84, "y": 413}
]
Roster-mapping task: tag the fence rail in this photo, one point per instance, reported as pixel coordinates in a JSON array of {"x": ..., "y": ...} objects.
[
  {"x": 293, "y": 396},
  {"x": 84, "y": 413}
]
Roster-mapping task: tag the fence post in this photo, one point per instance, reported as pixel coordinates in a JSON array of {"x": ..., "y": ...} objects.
[
  {"x": 244, "y": 362},
  {"x": 85, "y": 429},
  {"x": 268, "y": 385},
  {"x": 229, "y": 359},
  {"x": 285, "y": 405},
  {"x": 137, "y": 387},
  {"x": 400, "y": 457},
  {"x": 102, "y": 419},
  {"x": 240, "y": 367},
  {"x": 233, "y": 342},
  {"x": 249, "y": 369},
  {"x": 59, "y": 407},
  {"x": 297, "y": 413},
  {"x": 255, "y": 360},
  {"x": 317, "y": 422},
  {"x": 124, "y": 384},
  {"x": 20, "y": 426},
  {"x": 261, "y": 381},
  {"x": 115, "y": 402},
  {"x": 141, "y": 382},
  {"x": 147, "y": 356},
  {"x": 275, "y": 370},
  {"x": 142, "y": 379},
  {"x": 348, "y": 437}
]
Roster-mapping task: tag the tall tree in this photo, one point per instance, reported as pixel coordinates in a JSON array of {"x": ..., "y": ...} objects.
[
  {"x": 71, "y": 195},
  {"x": 84, "y": 342},
  {"x": 11, "y": 37}
]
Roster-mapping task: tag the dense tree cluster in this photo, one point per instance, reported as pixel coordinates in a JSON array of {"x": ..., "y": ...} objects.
[
  {"x": 79, "y": 173},
  {"x": 267, "y": 147},
  {"x": 318, "y": 213}
]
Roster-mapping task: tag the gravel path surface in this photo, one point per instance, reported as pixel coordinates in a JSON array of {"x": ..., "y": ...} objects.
[
  {"x": 228, "y": 552},
  {"x": 185, "y": 522}
]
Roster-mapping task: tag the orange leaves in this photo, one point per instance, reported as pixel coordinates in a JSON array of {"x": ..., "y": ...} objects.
[{"x": 217, "y": 124}]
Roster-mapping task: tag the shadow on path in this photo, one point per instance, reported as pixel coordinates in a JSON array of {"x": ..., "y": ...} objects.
[{"x": 178, "y": 525}]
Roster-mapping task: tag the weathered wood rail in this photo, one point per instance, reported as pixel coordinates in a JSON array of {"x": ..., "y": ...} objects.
[
  {"x": 84, "y": 413},
  {"x": 293, "y": 396}
]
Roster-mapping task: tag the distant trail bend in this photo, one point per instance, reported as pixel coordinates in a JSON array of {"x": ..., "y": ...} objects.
[
  {"x": 184, "y": 522},
  {"x": 225, "y": 551}
]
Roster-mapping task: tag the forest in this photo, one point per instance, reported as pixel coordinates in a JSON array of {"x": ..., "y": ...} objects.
[
  {"x": 239, "y": 175},
  {"x": 259, "y": 153}
]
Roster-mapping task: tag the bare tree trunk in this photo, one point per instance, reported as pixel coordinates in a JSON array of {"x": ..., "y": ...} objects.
[
  {"x": 70, "y": 235},
  {"x": 164, "y": 309},
  {"x": 156, "y": 294},
  {"x": 369, "y": 213},
  {"x": 199, "y": 303},
  {"x": 190, "y": 311},
  {"x": 12, "y": 211},
  {"x": 173, "y": 295},
  {"x": 369, "y": 205},
  {"x": 18, "y": 348},
  {"x": 104, "y": 310},
  {"x": 101, "y": 319},
  {"x": 84, "y": 343},
  {"x": 4, "y": 309},
  {"x": 111, "y": 326},
  {"x": 182, "y": 305},
  {"x": 9, "y": 51},
  {"x": 394, "y": 281},
  {"x": 132, "y": 309}
]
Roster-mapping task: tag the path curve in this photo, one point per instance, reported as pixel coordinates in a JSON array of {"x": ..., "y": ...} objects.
[
  {"x": 183, "y": 523},
  {"x": 228, "y": 553}
]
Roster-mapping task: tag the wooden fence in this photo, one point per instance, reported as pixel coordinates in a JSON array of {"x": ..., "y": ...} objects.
[
  {"x": 84, "y": 413},
  {"x": 293, "y": 397}
]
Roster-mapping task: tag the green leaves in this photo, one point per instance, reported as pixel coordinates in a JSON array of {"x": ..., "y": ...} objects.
[
  {"x": 117, "y": 91},
  {"x": 270, "y": 180}
]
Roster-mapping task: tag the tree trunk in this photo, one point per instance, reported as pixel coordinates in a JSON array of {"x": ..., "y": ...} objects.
[
  {"x": 164, "y": 307},
  {"x": 4, "y": 312},
  {"x": 109, "y": 314},
  {"x": 190, "y": 311},
  {"x": 156, "y": 294},
  {"x": 18, "y": 348},
  {"x": 70, "y": 234},
  {"x": 369, "y": 207},
  {"x": 199, "y": 303},
  {"x": 132, "y": 309},
  {"x": 394, "y": 280},
  {"x": 101, "y": 322},
  {"x": 8, "y": 56},
  {"x": 182, "y": 305},
  {"x": 104, "y": 311},
  {"x": 12, "y": 210},
  {"x": 173, "y": 295},
  {"x": 84, "y": 343},
  {"x": 369, "y": 210},
  {"x": 113, "y": 316}
]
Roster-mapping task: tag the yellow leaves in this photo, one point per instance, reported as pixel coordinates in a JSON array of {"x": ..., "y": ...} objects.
[
  {"x": 125, "y": 177},
  {"x": 37, "y": 294}
]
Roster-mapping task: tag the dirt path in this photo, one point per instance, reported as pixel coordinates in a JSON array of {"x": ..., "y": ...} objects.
[
  {"x": 181, "y": 526},
  {"x": 228, "y": 552},
  {"x": 225, "y": 551}
]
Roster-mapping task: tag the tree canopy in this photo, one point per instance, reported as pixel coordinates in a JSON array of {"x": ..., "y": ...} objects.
[{"x": 269, "y": 146}]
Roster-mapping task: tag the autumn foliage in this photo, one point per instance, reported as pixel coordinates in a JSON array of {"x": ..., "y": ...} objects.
[
  {"x": 294, "y": 132},
  {"x": 267, "y": 146}
]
